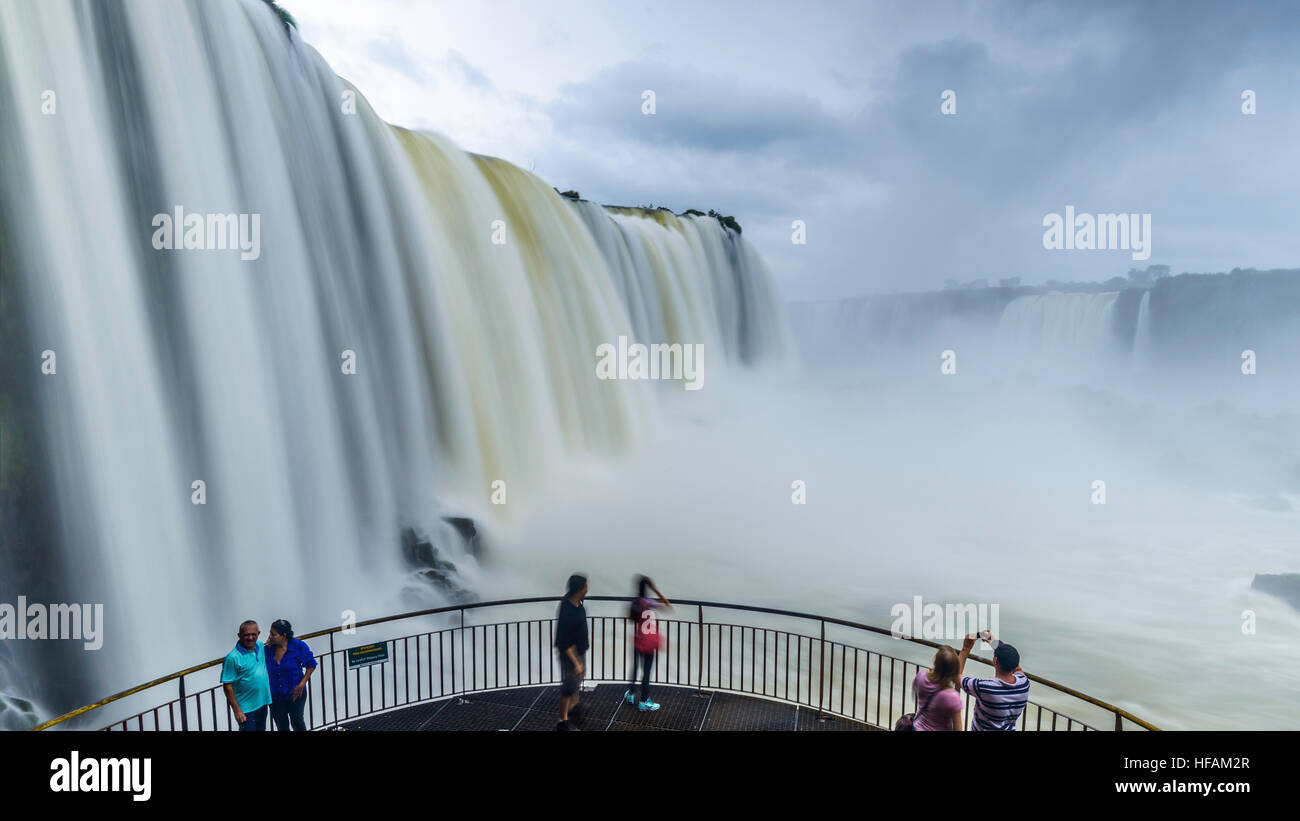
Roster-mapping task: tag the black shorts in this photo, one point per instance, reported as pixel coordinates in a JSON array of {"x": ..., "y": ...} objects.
[{"x": 570, "y": 679}]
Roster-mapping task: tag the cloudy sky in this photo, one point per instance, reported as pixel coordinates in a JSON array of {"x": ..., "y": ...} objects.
[{"x": 830, "y": 113}]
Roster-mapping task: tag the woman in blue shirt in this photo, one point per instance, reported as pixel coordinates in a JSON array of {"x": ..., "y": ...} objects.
[{"x": 289, "y": 663}]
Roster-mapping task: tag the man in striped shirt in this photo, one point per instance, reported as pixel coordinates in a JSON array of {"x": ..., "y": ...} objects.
[{"x": 1000, "y": 700}]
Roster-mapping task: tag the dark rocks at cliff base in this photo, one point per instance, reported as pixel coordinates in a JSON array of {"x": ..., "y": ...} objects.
[
  {"x": 17, "y": 713},
  {"x": 1285, "y": 586},
  {"x": 468, "y": 533},
  {"x": 431, "y": 566}
]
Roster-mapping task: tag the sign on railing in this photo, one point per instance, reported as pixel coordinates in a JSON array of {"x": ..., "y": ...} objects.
[{"x": 367, "y": 654}]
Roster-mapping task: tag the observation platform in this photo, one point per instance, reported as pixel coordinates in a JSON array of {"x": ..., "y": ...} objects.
[
  {"x": 604, "y": 709},
  {"x": 490, "y": 666}
]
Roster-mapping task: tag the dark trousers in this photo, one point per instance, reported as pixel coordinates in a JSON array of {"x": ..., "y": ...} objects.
[
  {"x": 647, "y": 661},
  {"x": 254, "y": 721},
  {"x": 287, "y": 713}
]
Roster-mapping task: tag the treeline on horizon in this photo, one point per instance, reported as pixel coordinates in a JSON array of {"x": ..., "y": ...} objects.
[
  {"x": 1153, "y": 276},
  {"x": 1147, "y": 277}
]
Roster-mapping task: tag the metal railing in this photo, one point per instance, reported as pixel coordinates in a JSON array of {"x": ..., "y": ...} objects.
[{"x": 829, "y": 669}]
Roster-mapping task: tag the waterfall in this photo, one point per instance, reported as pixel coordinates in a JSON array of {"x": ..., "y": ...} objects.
[
  {"x": 415, "y": 324},
  {"x": 1047, "y": 330},
  {"x": 1142, "y": 336}
]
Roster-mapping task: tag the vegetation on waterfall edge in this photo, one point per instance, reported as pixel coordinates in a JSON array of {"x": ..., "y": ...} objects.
[
  {"x": 726, "y": 220},
  {"x": 285, "y": 17}
]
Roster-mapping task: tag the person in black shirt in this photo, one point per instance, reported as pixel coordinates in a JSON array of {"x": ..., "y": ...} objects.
[{"x": 571, "y": 644}]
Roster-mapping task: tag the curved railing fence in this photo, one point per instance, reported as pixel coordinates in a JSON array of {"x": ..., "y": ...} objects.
[{"x": 838, "y": 668}]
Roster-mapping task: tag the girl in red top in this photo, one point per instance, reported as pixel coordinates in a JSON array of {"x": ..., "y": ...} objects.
[{"x": 645, "y": 640}]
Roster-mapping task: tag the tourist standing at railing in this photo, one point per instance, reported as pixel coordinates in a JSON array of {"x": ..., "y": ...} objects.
[
  {"x": 244, "y": 678},
  {"x": 571, "y": 644},
  {"x": 645, "y": 640},
  {"x": 1000, "y": 700},
  {"x": 937, "y": 697},
  {"x": 289, "y": 664}
]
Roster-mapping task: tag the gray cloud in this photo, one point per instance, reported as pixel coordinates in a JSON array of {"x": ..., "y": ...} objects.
[{"x": 693, "y": 110}]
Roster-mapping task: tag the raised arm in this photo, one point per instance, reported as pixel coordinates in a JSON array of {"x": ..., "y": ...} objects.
[
  {"x": 662, "y": 598},
  {"x": 966, "y": 646}
]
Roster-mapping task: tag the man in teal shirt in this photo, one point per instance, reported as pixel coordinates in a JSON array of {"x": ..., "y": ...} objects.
[{"x": 244, "y": 678}]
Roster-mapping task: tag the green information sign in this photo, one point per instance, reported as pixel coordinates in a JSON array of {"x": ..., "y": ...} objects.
[{"x": 367, "y": 654}]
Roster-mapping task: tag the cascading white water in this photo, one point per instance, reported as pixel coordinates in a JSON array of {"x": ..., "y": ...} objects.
[
  {"x": 1142, "y": 336},
  {"x": 654, "y": 262},
  {"x": 846, "y": 329},
  {"x": 1046, "y": 330},
  {"x": 469, "y": 295}
]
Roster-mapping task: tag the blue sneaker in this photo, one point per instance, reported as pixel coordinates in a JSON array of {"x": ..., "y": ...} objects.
[
  {"x": 631, "y": 699},
  {"x": 647, "y": 706}
]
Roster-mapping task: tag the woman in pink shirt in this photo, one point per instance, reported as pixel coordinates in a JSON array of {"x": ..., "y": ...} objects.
[{"x": 938, "y": 701}]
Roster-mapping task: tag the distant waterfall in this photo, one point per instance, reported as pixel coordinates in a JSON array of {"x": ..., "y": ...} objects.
[
  {"x": 1056, "y": 327},
  {"x": 1142, "y": 336},
  {"x": 417, "y": 323}
]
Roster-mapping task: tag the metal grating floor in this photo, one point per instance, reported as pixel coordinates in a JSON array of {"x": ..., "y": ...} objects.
[{"x": 604, "y": 708}]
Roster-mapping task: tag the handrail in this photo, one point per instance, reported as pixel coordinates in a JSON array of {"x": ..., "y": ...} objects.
[{"x": 180, "y": 674}]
